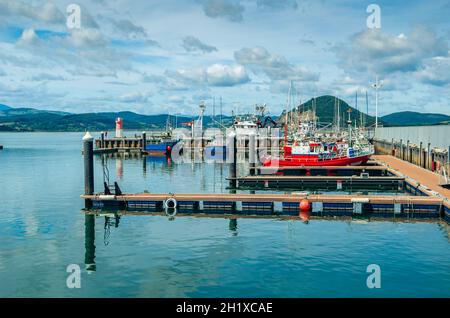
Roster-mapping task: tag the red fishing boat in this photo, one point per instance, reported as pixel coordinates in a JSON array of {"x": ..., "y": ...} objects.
[{"x": 321, "y": 154}]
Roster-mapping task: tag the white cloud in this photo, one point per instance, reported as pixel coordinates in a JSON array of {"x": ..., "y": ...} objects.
[
  {"x": 435, "y": 71},
  {"x": 277, "y": 4},
  {"x": 229, "y": 9},
  {"x": 28, "y": 37},
  {"x": 48, "y": 12},
  {"x": 135, "y": 97},
  {"x": 192, "y": 44},
  {"x": 225, "y": 75},
  {"x": 275, "y": 66},
  {"x": 86, "y": 37},
  {"x": 380, "y": 53}
]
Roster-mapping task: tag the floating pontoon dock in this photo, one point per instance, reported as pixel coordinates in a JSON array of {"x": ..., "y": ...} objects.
[
  {"x": 427, "y": 199},
  {"x": 274, "y": 204}
]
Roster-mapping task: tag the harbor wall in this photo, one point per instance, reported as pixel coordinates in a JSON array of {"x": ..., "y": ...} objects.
[
  {"x": 424, "y": 146},
  {"x": 437, "y": 136}
]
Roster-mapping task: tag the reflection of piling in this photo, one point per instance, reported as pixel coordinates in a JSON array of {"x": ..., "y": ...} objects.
[
  {"x": 89, "y": 242},
  {"x": 233, "y": 225},
  {"x": 144, "y": 165},
  {"x": 252, "y": 153},
  {"x": 232, "y": 159},
  {"x": 88, "y": 152}
]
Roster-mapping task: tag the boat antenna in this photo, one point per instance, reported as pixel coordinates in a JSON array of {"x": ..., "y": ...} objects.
[{"x": 377, "y": 85}]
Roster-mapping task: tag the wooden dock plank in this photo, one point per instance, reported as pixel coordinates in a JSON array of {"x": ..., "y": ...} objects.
[{"x": 418, "y": 174}]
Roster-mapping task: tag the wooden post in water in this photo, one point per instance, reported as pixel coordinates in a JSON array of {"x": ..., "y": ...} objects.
[
  {"x": 232, "y": 158},
  {"x": 88, "y": 153},
  {"x": 144, "y": 141},
  {"x": 102, "y": 140}
]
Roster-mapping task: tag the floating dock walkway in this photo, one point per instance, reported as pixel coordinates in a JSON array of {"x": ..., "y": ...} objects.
[
  {"x": 427, "y": 199},
  {"x": 273, "y": 204}
]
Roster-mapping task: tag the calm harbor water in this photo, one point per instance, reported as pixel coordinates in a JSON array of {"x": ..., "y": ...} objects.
[{"x": 43, "y": 230}]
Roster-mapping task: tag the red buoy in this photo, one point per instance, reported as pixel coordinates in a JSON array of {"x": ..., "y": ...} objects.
[{"x": 304, "y": 205}]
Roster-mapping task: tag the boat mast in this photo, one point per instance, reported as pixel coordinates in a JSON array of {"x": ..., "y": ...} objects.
[
  {"x": 367, "y": 108},
  {"x": 214, "y": 109},
  {"x": 221, "y": 115}
]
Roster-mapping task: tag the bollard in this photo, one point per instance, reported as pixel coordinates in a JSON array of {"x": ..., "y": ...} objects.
[
  {"x": 88, "y": 152},
  {"x": 252, "y": 153},
  {"x": 144, "y": 141}
]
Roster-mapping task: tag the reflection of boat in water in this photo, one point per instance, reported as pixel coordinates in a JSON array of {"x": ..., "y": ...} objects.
[{"x": 216, "y": 149}]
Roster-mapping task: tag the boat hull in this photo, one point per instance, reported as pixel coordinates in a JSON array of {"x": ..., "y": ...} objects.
[
  {"x": 315, "y": 161},
  {"x": 160, "y": 149}
]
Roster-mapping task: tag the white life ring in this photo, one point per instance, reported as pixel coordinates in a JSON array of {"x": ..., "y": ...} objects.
[{"x": 170, "y": 204}]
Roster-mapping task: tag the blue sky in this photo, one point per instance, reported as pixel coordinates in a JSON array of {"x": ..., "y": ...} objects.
[{"x": 167, "y": 56}]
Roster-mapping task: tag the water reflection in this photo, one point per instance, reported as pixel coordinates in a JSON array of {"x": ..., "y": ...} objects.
[
  {"x": 233, "y": 227},
  {"x": 305, "y": 216},
  {"x": 89, "y": 243},
  {"x": 110, "y": 221}
]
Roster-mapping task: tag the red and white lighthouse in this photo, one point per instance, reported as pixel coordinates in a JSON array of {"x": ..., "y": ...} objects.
[{"x": 119, "y": 125}]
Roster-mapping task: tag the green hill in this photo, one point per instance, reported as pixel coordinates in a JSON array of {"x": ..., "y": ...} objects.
[
  {"x": 325, "y": 109},
  {"x": 28, "y": 119},
  {"x": 414, "y": 119},
  {"x": 4, "y": 107}
]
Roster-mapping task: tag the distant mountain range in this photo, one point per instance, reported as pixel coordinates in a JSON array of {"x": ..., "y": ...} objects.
[
  {"x": 4, "y": 107},
  {"x": 414, "y": 119},
  {"x": 30, "y": 119}
]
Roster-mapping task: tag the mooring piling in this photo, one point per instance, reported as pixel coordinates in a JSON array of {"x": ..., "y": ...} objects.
[
  {"x": 88, "y": 153},
  {"x": 144, "y": 141},
  {"x": 252, "y": 153},
  {"x": 232, "y": 158},
  {"x": 102, "y": 140}
]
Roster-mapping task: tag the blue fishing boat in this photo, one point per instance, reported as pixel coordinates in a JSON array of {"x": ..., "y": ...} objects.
[{"x": 161, "y": 148}]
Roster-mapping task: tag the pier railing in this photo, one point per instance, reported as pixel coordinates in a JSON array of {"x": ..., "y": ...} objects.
[{"x": 422, "y": 155}]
